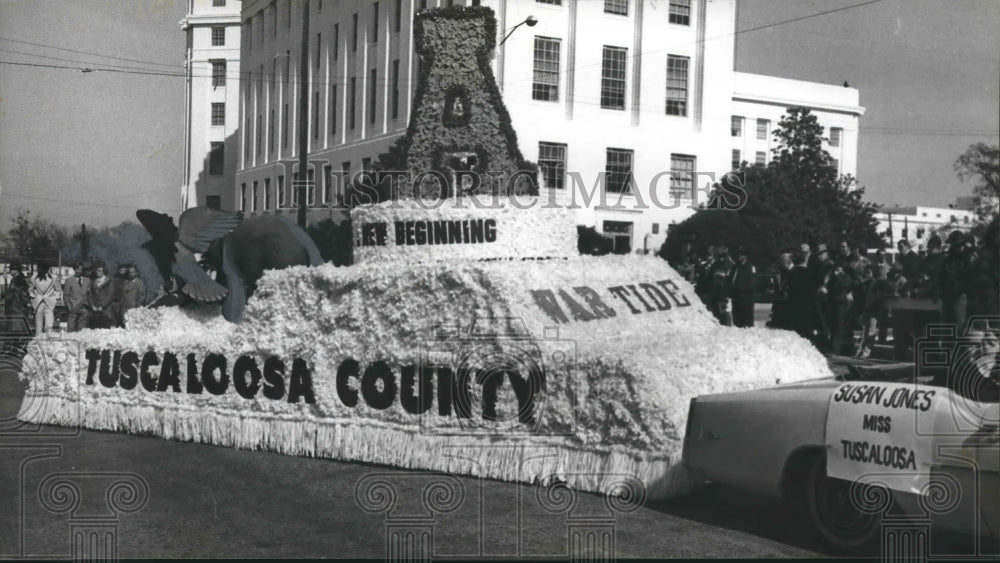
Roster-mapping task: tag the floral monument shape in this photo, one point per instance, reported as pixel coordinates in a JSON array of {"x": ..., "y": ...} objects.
[
  {"x": 459, "y": 122},
  {"x": 466, "y": 339}
]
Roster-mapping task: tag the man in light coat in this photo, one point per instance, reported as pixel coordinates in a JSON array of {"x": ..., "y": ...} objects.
[{"x": 133, "y": 293}]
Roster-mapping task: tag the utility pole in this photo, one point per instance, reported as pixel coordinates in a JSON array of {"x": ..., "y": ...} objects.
[{"x": 303, "y": 182}]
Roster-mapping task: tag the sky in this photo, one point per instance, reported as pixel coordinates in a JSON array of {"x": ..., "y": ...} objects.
[{"x": 93, "y": 147}]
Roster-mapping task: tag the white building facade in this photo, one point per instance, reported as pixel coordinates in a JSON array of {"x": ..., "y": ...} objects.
[
  {"x": 918, "y": 223},
  {"x": 211, "y": 103},
  {"x": 627, "y": 106}
]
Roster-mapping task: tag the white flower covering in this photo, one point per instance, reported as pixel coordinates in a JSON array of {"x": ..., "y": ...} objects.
[
  {"x": 525, "y": 228},
  {"x": 616, "y": 394}
]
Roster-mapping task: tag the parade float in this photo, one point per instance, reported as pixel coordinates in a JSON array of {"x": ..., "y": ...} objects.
[{"x": 468, "y": 337}]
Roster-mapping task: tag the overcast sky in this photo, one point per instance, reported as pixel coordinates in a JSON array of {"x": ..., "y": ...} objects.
[{"x": 93, "y": 147}]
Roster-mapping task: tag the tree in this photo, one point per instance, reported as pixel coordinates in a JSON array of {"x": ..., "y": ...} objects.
[
  {"x": 797, "y": 197},
  {"x": 35, "y": 238},
  {"x": 981, "y": 163}
]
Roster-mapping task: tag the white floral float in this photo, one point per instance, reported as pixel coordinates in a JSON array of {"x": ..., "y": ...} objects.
[{"x": 578, "y": 368}]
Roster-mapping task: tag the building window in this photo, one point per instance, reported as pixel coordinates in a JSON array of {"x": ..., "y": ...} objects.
[
  {"x": 366, "y": 164},
  {"x": 552, "y": 162},
  {"x": 680, "y": 12},
  {"x": 677, "y": 85},
  {"x": 274, "y": 73},
  {"x": 835, "y": 134},
  {"x": 216, "y": 159},
  {"x": 247, "y": 141},
  {"x": 274, "y": 21},
  {"x": 288, "y": 67},
  {"x": 310, "y": 187},
  {"x": 259, "y": 133},
  {"x": 284, "y": 128},
  {"x": 288, "y": 13},
  {"x": 270, "y": 133},
  {"x": 319, "y": 44},
  {"x": 546, "y": 82},
  {"x": 737, "y": 159},
  {"x": 375, "y": 22},
  {"x": 613, "y": 77},
  {"x": 372, "y": 93},
  {"x": 621, "y": 233},
  {"x": 736, "y": 129},
  {"x": 280, "y": 202},
  {"x": 836, "y": 165},
  {"x": 218, "y": 36},
  {"x": 218, "y": 114},
  {"x": 295, "y": 189},
  {"x": 423, "y": 4},
  {"x": 336, "y": 41},
  {"x": 333, "y": 109},
  {"x": 260, "y": 81},
  {"x": 354, "y": 32},
  {"x": 553, "y": 2},
  {"x": 762, "y": 126},
  {"x": 681, "y": 175},
  {"x": 315, "y": 115},
  {"x": 253, "y": 197},
  {"x": 267, "y": 194},
  {"x": 618, "y": 171},
  {"x": 327, "y": 184},
  {"x": 395, "y": 89},
  {"x": 219, "y": 3},
  {"x": 345, "y": 174},
  {"x": 399, "y": 15},
  {"x": 760, "y": 157},
  {"x": 354, "y": 98},
  {"x": 243, "y": 197},
  {"x": 617, "y": 7},
  {"x": 218, "y": 73},
  {"x": 213, "y": 202}
]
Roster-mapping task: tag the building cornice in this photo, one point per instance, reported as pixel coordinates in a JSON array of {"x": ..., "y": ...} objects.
[
  {"x": 787, "y": 102},
  {"x": 192, "y": 20}
]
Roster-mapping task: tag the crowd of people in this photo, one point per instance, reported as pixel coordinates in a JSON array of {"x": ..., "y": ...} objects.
[
  {"x": 92, "y": 298},
  {"x": 840, "y": 298}
]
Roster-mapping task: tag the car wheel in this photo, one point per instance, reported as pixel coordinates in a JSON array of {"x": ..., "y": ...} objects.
[{"x": 836, "y": 516}]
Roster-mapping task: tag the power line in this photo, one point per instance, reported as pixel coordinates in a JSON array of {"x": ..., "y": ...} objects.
[
  {"x": 74, "y": 60},
  {"x": 90, "y": 53}
]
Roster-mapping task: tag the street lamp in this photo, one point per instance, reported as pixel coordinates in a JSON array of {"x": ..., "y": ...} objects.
[{"x": 530, "y": 20}]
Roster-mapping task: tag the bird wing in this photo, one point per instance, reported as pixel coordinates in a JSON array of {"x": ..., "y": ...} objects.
[
  {"x": 198, "y": 285},
  {"x": 160, "y": 226},
  {"x": 200, "y": 226}
]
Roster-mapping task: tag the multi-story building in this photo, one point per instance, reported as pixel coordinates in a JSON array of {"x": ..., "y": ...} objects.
[
  {"x": 211, "y": 103},
  {"x": 629, "y": 107},
  {"x": 918, "y": 223}
]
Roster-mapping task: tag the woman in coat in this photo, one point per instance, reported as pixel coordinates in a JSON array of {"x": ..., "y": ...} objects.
[
  {"x": 44, "y": 290},
  {"x": 99, "y": 299}
]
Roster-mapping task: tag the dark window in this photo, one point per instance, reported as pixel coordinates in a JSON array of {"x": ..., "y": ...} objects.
[
  {"x": 423, "y": 4},
  {"x": 288, "y": 66},
  {"x": 274, "y": 73},
  {"x": 736, "y": 128},
  {"x": 333, "y": 109},
  {"x": 216, "y": 159},
  {"x": 288, "y": 13},
  {"x": 737, "y": 159},
  {"x": 336, "y": 41},
  {"x": 372, "y": 93},
  {"x": 618, "y": 171},
  {"x": 613, "y": 77},
  {"x": 213, "y": 202},
  {"x": 259, "y": 133},
  {"x": 366, "y": 164},
  {"x": 677, "y": 85},
  {"x": 621, "y": 233},
  {"x": 270, "y": 133},
  {"x": 760, "y": 157},
  {"x": 319, "y": 44},
  {"x": 315, "y": 115},
  {"x": 617, "y": 7},
  {"x": 243, "y": 197},
  {"x": 218, "y": 73},
  {"x": 681, "y": 175},
  {"x": 327, "y": 184},
  {"x": 680, "y": 12},
  {"x": 284, "y": 128},
  {"x": 354, "y": 98},
  {"x": 218, "y": 36},
  {"x": 546, "y": 78},
  {"x": 247, "y": 141},
  {"x": 267, "y": 194},
  {"x": 354, "y": 32},
  {"x": 399, "y": 15},
  {"x": 218, "y": 114},
  {"x": 762, "y": 126},
  {"x": 835, "y": 134},
  {"x": 280, "y": 202},
  {"x": 552, "y": 162},
  {"x": 219, "y": 3},
  {"x": 836, "y": 164},
  {"x": 395, "y": 89},
  {"x": 553, "y": 2},
  {"x": 253, "y": 197},
  {"x": 310, "y": 187},
  {"x": 375, "y": 22}
]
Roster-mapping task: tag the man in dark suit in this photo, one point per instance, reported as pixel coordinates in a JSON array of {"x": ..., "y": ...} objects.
[
  {"x": 742, "y": 284},
  {"x": 909, "y": 259},
  {"x": 75, "y": 291}
]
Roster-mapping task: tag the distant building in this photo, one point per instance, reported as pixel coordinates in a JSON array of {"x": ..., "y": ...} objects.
[
  {"x": 211, "y": 103},
  {"x": 620, "y": 102},
  {"x": 918, "y": 223}
]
